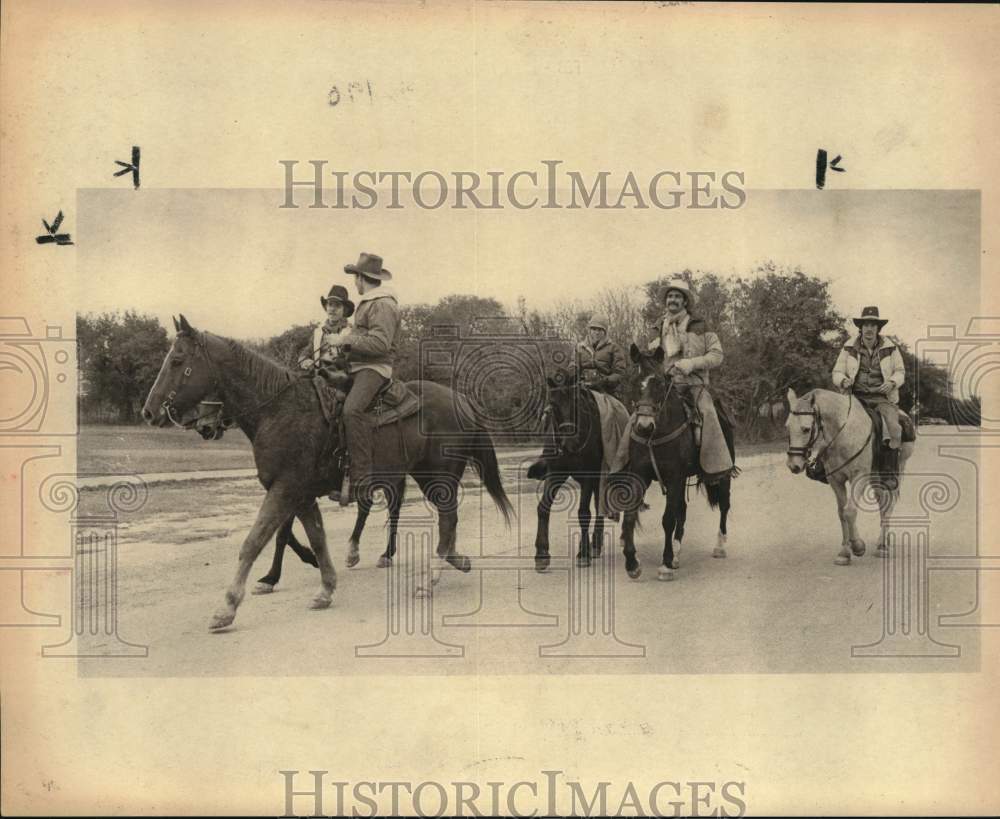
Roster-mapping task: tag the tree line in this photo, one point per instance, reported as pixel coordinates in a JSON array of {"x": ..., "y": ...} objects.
[{"x": 778, "y": 328}]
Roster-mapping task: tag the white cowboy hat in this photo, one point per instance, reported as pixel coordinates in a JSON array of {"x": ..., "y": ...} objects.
[{"x": 682, "y": 286}]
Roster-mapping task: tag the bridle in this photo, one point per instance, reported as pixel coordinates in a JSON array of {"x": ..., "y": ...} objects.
[
  {"x": 805, "y": 452},
  {"x": 168, "y": 406},
  {"x": 564, "y": 431},
  {"x": 650, "y": 409}
]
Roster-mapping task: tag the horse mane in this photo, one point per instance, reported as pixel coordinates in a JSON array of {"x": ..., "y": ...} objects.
[{"x": 267, "y": 374}]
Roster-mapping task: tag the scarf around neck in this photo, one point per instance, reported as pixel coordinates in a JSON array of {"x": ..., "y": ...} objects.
[{"x": 673, "y": 333}]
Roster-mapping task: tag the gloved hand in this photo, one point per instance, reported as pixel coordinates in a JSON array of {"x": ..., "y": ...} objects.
[{"x": 684, "y": 365}]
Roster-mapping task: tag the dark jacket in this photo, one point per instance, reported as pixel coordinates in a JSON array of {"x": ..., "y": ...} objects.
[{"x": 603, "y": 366}]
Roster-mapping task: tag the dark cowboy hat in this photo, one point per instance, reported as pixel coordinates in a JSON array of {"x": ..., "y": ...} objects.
[
  {"x": 870, "y": 314},
  {"x": 339, "y": 293},
  {"x": 370, "y": 266}
]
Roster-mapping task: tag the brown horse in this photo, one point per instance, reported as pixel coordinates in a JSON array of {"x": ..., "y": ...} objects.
[{"x": 280, "y": 412}]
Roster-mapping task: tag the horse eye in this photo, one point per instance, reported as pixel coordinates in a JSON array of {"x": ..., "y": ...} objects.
[{"x": 176, "y": 362}]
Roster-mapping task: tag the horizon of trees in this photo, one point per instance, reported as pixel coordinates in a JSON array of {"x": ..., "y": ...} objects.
[{"x": 778, "y": 328}]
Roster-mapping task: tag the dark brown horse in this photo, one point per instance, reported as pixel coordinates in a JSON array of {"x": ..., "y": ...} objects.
[
  {"x": 279, "y": 411},
  {"x": 573, "y": 450},
  {"x": 666, "y": 453}
]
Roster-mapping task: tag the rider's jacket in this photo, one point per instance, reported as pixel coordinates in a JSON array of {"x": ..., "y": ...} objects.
[
  {"x": 602, "y": 366},
  {"x": 698, "y": 345},
  {"x": 890, "y": 363},
  {"x": 372, "y": 343},
  {"x": 321, "y": 352}
]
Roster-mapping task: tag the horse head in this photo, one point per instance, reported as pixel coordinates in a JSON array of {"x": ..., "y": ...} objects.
[
  {"x": 565, "y": 393},
  {"x": 654, "y": 389},
  {"x": 803, "y": 429},
  {"x": 185, "y": 379}
]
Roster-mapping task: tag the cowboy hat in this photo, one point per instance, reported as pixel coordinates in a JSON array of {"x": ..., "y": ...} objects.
[
  {"x": 870, "y": 314},
  {"x": 598, "y": 320},
  {"x": 682, "y": 286},
  {"x": 339, "y": 293},
  {"x": 370, "y": 266}
]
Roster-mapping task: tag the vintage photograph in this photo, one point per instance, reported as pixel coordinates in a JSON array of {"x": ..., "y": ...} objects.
[{"x": 498, "y": 408}]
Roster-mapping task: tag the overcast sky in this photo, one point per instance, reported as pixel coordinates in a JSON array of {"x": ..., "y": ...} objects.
[{"x": 237, "y": 264}]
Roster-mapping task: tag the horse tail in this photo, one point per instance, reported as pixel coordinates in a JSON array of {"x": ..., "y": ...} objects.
[{"x": 484, "y": 460}]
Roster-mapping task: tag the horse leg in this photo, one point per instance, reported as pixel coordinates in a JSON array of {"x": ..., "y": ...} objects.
[
  {"x": 669, "y": 522},
  {"x": 285, "y": 537},
  {"x": 632, "y": 566},
  {"x": 597, "y": 541},
  {"x": 267, "y": 583},
  {"x": 353, "y": 545},
  {"x": 725, "y": 487},
  {"x": 839, "y": 488},
  {"x": 395, "y": 504},
  {"x": 273, "y": 512},
  {"x": 312, "y": 521},
  {"x": 583, "y": 516},
  {"x": 680, "y": 520},
  {"x": 549, "y": 489},
  {"x": 442, "y": 491}
]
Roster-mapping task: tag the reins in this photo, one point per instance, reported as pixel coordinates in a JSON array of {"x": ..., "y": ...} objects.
[
  {"x": 651, "y": 442},
  {"x": 168, "y": 407},
  {"x": 817, "y": 428}
]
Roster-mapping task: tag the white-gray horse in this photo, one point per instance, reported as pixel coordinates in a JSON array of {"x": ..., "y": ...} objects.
[{"x": 839, "y": 429}]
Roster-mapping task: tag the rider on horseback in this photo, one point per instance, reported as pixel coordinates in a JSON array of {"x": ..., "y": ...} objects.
[
  {"x": 690, "y": 351},
  {"x": 600, "y": 361},
  {"x": 371, "y": 349},
  {"x": 871, "y": 367},
  {"x": 322, "y": 355}
]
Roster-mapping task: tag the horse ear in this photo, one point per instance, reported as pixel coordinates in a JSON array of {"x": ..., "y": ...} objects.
[
  {"x": 550, "y": 381},
  {"x": 658, "y": 355},
  {"x": 176, "y": 325},
  {"x": 633, "y": 352},
  {"x": 184, "y": 326},
  {"x": 792, "y": 398}
]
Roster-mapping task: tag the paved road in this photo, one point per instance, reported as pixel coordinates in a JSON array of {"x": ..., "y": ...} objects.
[{"x": 776, "y": 604}]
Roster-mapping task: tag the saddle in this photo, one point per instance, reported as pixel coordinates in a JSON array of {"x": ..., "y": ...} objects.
[
  {"x": 393, "y": 402},
  {"x": 884, "y": 459}
]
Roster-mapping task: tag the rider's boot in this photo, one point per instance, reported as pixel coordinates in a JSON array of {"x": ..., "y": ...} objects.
[{"x": 890, "y": 468}]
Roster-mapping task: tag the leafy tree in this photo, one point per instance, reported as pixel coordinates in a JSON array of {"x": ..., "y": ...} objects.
[{"x": 119, "y": 357}]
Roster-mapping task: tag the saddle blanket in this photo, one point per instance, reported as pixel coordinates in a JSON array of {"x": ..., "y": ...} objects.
[
  {"x": 392, "y": 403},
  {"x": 614, "y": 420}
]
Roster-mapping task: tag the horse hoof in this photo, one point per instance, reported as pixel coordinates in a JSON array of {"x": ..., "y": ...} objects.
[
  {"x": 221, "y": 620},
  {"x": 842, "y": 560},
  {"x": 262, "y": 588},
  {"x": 384, "y": 562},
  {"x": 421, "y": 593},
  {"x": 353, "y": 558},
  {"x": 460, "y": 562},
  {"x": 718, "y": 551},
  {"x": 320, "y": 601},
  {"x": 858, "y": 547},
  {"x": 881, "y": 551},
  {"x": 664, "y": 573},
  {"x": 635, "y": 573},
  {"x": 542, "y": 563},
  {"x": 582, "y": 561},
  {"x": 595, "y": 551}
]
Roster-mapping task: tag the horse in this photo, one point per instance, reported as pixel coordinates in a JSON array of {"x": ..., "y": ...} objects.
[
  {"x": 840, "y": 425},
  {"x": 211, "y": 423},
  {"x": 575, "y": 450},
  {"x": 663, "y": 449},
  {"x": 280, "y": 412}
]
